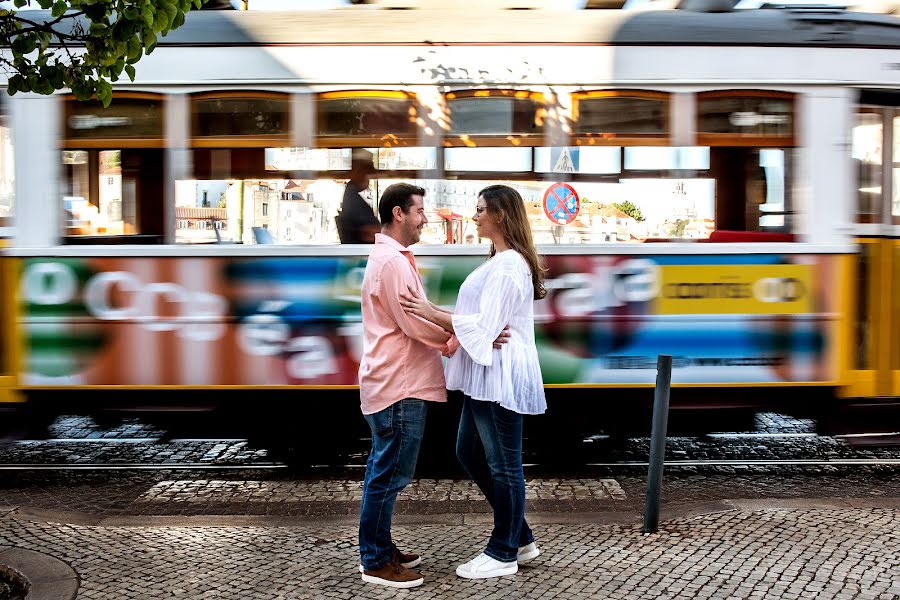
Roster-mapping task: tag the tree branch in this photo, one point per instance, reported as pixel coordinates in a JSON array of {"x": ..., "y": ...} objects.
[{"x": 35, "y": 26}]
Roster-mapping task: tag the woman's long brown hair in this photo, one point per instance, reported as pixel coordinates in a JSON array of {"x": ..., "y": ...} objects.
[{"x": 505, "y": 203}]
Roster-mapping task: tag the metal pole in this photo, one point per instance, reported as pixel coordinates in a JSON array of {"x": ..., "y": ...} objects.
[{"x": 658, "y": 442}]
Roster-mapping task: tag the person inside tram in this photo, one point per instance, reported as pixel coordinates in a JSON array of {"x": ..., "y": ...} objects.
[
  {"x": 499, "y": 385},
  {"x": 356, "y": 221}
]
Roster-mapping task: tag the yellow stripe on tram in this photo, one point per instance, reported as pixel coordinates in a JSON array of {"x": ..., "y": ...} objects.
[{"x": 10, "y": 343}]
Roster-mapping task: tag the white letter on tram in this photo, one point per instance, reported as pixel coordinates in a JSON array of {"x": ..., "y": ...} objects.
[{"x": 49, "y": 283}]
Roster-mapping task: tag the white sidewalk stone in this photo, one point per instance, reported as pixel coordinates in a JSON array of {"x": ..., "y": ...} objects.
[{"x": 204, "y": 491}]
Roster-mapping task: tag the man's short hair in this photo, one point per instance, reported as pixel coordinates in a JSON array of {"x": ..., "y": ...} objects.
[{"x": 397, "y": 194}]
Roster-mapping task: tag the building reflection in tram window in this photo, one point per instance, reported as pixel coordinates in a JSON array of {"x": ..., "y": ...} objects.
[
  {"x": 97, "y": 201},
  {"x": 626, "y": 194}
]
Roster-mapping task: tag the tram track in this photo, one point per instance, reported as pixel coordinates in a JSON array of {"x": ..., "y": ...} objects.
[{"x": 861, "y": 462}]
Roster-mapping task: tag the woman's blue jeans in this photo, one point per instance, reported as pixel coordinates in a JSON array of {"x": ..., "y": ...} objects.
[
  {"x": 396, "y": 437},
  {"x": 489, "y": 448}
]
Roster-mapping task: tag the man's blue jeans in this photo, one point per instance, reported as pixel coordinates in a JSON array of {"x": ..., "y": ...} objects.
[
  {"x": 396, "y": 437},
  {"x": 489, "y": 447}
]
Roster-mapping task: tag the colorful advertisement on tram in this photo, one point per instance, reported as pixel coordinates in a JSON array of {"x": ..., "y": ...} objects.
[{"x": 295, "y": 320}]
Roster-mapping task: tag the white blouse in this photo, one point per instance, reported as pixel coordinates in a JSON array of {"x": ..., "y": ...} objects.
[{"x": 496, "y": 294}]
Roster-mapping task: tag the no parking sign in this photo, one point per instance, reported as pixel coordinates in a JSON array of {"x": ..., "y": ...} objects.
[{"x": 561, "y": 203}]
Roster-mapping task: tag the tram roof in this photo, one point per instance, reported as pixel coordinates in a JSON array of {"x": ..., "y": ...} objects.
[{"x": 820, "y": 27}]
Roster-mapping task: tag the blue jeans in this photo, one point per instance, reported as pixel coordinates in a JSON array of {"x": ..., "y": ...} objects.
[
  {"x": 489, "y": 448},
  {"x": 396, "y": 436}
]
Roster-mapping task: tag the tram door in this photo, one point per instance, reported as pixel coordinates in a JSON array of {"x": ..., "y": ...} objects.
[{"x": 875, "y": 343}]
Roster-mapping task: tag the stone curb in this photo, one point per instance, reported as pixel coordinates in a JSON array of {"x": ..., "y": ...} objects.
[
  {"x": 48, "y": 578},
  {"x": 610, "y": 517}
]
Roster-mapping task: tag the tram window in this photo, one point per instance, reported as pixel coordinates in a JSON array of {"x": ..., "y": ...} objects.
[
  {"x": 98, "y": 201},
  {"x": 772, "y": 212},
  {"x": 307, "y": 159},
  {"x": 661, "y": 158},
  {"x": 488, "y": 160},
  {"x": 113, "y": 181},
  {"x": 7, "y": 174},
  {"x": 338, "y": 159},
  {"x": 738, "y": 113},
  {"x": 360, "y": 114},
  {"x": 138, "y": 118},
  {"x": 227, "y": 116},
  {"x": 866, "y": 152},
  {"x": 405, "y": 159},
  {"x": 613, "y": 114},
  {"x": 492, "y": 112},
  {"x": 596, "y": 160}
]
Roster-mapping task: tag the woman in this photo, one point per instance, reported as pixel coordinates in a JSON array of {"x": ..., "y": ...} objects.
[{"x": 499, "y": 385}]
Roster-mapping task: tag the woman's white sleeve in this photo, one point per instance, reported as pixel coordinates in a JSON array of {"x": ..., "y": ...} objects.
[{"x": 503, "y": 293}]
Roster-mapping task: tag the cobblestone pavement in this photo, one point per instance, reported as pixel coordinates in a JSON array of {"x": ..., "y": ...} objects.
[{"x": 834, "y": 553}]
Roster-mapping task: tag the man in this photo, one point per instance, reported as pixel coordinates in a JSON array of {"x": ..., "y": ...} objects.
[
  {"x": 399, "y": 372},
  {"x": 356, "y": 222}
]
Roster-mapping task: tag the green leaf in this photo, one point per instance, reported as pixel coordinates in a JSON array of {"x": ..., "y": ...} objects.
[
  {"x": 44, "y": 87},
  {"x": 59, "y": 9},
  {"x": 133, "y": 14},
  {"x": 104, "y": 92},
  {"x": 16, "y": 84},
  {"x": 147, "y": 13},
  {"x": 45, "y": 37},
  {"x": 95, "y": 12},
  {"x": 56, "y": 77},
  {"x": 130, "y": 70},
  {"x": 83, "y": 91},
  {"x": 118, "y": 32},
  {"x": 160, "y": 21},
  {"x": 148, "y": 37},
  {"x": 20, "y": 3},
  {"x": 134, "y": 49},
  {"x": 45, "y": 4}
]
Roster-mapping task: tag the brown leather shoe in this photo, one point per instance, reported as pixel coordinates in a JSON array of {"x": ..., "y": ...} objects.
[
  {"x": 407, "y": 560},
  {"x": 394, "y": 575}
]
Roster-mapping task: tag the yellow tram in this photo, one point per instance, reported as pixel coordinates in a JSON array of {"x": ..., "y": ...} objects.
[{"x": 734, "y": 203}]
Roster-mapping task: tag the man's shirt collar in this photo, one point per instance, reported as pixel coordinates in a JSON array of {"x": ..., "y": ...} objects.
[{"x": 381, "y": 238}]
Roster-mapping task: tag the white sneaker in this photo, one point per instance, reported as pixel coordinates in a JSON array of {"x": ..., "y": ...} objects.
[
  {"x": 483, "y": 567},
  {"x": 528, "y": 553}
]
